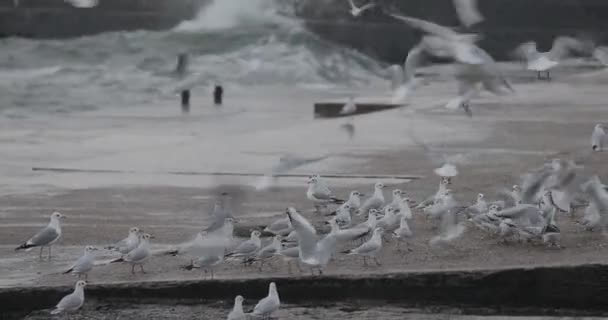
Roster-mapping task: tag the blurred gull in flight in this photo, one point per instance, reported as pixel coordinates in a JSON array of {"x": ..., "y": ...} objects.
[
  {"x": 83, "y": 3},
  {"x": 545, "y": 61},
  {"x": 45, "y": 237},
  {"x": 357, "y": 11}
]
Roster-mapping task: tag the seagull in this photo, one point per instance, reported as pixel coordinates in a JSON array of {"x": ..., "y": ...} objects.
[
  {"x": 83, "y": 4},
  {"x": 290, "y": 254},
  {"x": 72, "y": 301},
  {"x": 139, "y": 255},
  {"x": 45, "y": 237},
  {"x": 237, "y": 311},
  {"x": 221, "y": 212},
  {"x": 545, "y": 61},
  {"x": 599, "y": 139},
  {"x": 207, "y": 263},
  {"x": 390, "y": 221},
  {"x": 281, "y": 227},
  {"x": 268, "y": 305},
  {"x": 357, "y": 11},
  {"x": 599, "y": 199},
  {"x": 450, "y": 229},
  {"x": 403, "y": 232},
  {"x": 346, "y": 235},
  {"x": 353, "y": 202},
  {"x": 444, "y": 182},
  {"x": 370, "y": 223},
  {"x": 370, "y": 249},
  {"x": 268, "y": 251},
  {"x": 84, "y": 264},
  {"x": 127, "y": 244},
  {"x": 320, "y": 194},
  {"x": 467, "y": 12},
  {"x": 343, "y": 217},
  {"x": 475, "y": 68},
  {"x": 376, "y": 201},
  {"x": 313, "y": 252},
  {"x": 480, "y": 206},
  {"x": 286, "y": 163},
  {"x": 601, "y": 54},
  {"x": 591, "y": 218},
  {"x": 248, "y": 247},
  {"x": 404, "y": 79},
  {"x": 349, "y": 108}
]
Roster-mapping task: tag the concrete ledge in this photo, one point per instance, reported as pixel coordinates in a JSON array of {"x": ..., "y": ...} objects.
[
  {"x": 582, "y": 288},
  {"x": 332, "y": 109}
]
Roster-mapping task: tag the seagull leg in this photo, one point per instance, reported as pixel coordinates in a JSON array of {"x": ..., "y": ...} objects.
[
  {"x": 377, "y": 262},
  {"x": 141, "y": 267},
  {"x": 538, "y": 76},
  {"x": 50, "y": 253},
  {"x": 548, "y": 75},
  {"x": 132, "y": 269},
  {"x": 365, "y": 261},
  {"x": 41, "y": 248}
]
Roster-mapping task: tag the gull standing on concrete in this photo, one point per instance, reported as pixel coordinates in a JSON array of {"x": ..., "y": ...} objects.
[
  {"x": 268, "y": 305},
  {"x": 268, "y": 251},
  {"x": 139, "y": 255},
  {"x": 127, "y": 244},
  {"x": 403, "y": 232},
  {"x": 599, "y": 139},
  {"x": 84, "y": 264},
  {"x": 290, "y": 254},
  {"x": 72, "y": 301},
  {"x": 313, "y": 252},
  {"x": 320, "y": 194},
  {"x": 390, "y": 221},
  {"x": 45, "y": 237},
  {"x": 343, "y": 217},
  {"x": 206, "y": 263},
  {"x": 247, "y": 248},
  {"x": 599, "y": 199},
  {"x": 346, "y": 235},
  {"x": 443, "y": 187},
  {"x": 545, "y": 61},
  {"x": 237, "y": 311},
  {"x": 369, "y": 249},
  {"x": 357, "y": 11},
  {"x": 376, "y": 201},
  {"x": 353, "y": 202},
  {"x": 281, "y": 227}
]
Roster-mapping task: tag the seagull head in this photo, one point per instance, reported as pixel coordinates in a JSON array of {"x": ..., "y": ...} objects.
[
  {"x": 480, "y": 197},
  {"x": 57, "y": 215},
  {"x": 379, "y": 185},
  {"x": 239, "y": 299},
  {"x": 397, "y": 193},
  {"x": 81, "y": 284},
  {"x": 134, "y": 230},
  {"x": 255, "y": 234}
]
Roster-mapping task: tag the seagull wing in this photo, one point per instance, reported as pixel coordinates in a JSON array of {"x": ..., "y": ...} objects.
[
  {"x": 426, "y": 26},
  {"x": 44, "y": 237},
  {"x": 467, "y": 11},
  {"x": 306, "y": 233}
]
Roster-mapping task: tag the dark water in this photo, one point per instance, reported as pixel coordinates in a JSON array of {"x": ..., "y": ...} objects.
[{"x": 233, "y": 42}]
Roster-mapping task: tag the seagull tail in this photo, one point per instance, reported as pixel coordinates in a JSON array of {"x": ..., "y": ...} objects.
[
  {"x": 337, "y": 201},
  {"x": 24, "y": 246},
  {"x": 188, "y": 267},
  {"x": 347, "y": 251},
  {"x": 173, "y": 252},
  {"x": 121, "y": 259},
  {"x": 68, "y": 271},
  {"x": 56, "y": 311}
]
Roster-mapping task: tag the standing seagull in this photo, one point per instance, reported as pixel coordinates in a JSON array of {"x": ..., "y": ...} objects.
[
  {"x": 247, "y": 248},
  {"x": 237, "y": 311},
  {"x": 371, "y": 248},
  {"x": 357, "y": 11},
  {"x": 127, "y": 244},
  {"x": 545, "y": 61},
  {"x": 46, "y": 237},
  {"x": 320, "y": 194},
  {"x": 139, "y": 255},
  {"x": 207, "y": 263},
  {"x": 376, "y": 201},
  {"x": 268, "y": 305},
  {"x": 72, "y": 301},
  {"x": 84, "y": 264},
  {"x": 599, "y": 139}
]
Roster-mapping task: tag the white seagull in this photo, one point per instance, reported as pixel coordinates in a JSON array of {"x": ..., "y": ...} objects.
[
  {"x": 127, "y": 244},
  {"x": 599, "y": 139},
  {"x": 268, "y": 305},
  {"x": 320, "y": 194},
  {"x": 371, "y": 248},
  {"x": 376, "y": 201},
  {"x": 72, "y": 301},
  {"x": 84, "y": 264},
  {"x": 237, "y": 311},
  {"x": 545, "y": 61},
  {"x": 357, "y": 11},
  {"x": 45, "y": 237},
  {"x": 139, "y": 255}
]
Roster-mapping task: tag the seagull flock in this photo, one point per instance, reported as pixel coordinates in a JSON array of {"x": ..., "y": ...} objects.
[
  {"x": 475, "y": 69},
  {"x": 360, "y": 225}
]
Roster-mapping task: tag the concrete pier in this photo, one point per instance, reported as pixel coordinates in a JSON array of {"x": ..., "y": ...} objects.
[{"x": 507, "y": 291}]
